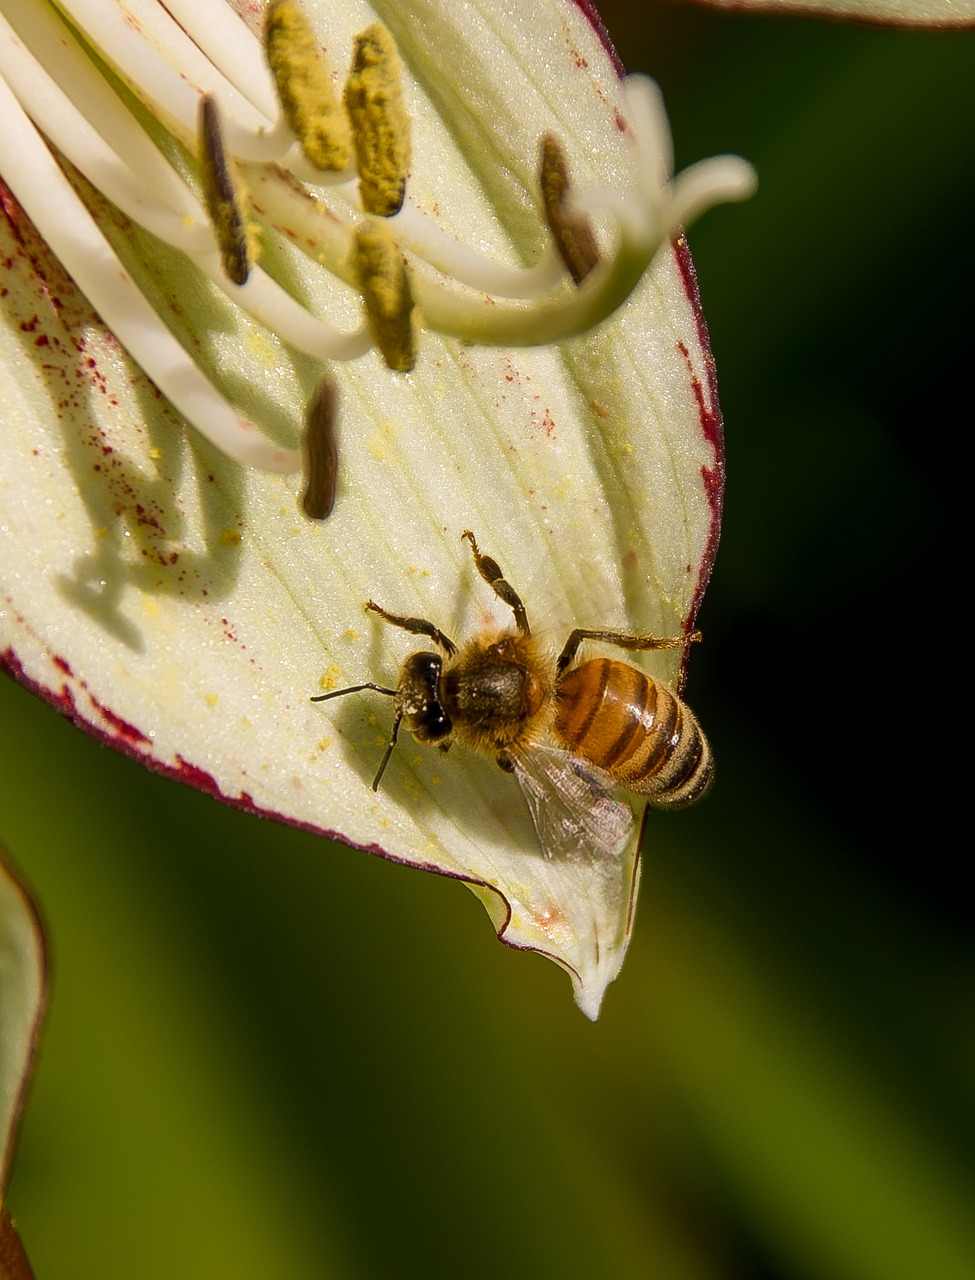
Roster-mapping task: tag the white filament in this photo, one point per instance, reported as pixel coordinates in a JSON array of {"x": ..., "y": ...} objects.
[{"x": 70, "y": 230}]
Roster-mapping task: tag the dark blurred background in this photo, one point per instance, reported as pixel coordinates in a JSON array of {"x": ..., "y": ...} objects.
[{"x": 268, "y": 1056}]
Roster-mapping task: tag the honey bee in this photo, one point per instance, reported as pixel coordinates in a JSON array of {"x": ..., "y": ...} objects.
[{"x": 569, "y": 733}]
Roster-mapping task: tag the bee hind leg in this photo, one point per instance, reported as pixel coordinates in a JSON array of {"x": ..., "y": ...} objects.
[
  {"x": 491, "y": 572},
  {"x": 623, "y": 640}
]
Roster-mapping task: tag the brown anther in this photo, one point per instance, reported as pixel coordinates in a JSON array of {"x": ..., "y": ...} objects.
[
  {"x": 223, "y": 195},
  {"x": 319, "y": 451},
  {"x": 572, "y": 232}
]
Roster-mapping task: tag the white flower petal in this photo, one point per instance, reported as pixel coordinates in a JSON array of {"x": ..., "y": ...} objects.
[{"x": 182, "y": 607}]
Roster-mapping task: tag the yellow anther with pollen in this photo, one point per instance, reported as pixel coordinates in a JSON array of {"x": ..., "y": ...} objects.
[
  {"x": 385, "y": 286},
  {"x": 380, "y": 125},
  {"x": 305, "y": 89}
]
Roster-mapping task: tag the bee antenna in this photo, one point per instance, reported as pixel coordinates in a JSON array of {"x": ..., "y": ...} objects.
[
  {"x": 386, "y": 754},
  {"x": 376, "y": 688},
  {"x": 355, "y": 688}
]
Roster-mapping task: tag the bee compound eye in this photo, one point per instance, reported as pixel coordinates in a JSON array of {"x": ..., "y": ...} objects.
[
  {"x": 436, "y": 723},
  {"x": 419, "y": 693},
  {"x": 423, "y": 669}
]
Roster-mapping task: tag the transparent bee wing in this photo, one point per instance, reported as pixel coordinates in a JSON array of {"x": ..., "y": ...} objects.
[{"x": 574, "y": 812}]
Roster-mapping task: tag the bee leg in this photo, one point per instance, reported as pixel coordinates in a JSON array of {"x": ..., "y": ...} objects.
[
  {"x": 417, "y": 626},
  {"x": 505, "y": 762},
  {"x": 386, "y": 754},
  {"x": 623, "y": 640},
  {"x": 490, "y": 571}
]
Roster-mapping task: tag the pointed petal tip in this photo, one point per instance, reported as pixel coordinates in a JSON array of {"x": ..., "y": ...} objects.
[{"x": 589, "y": 996}]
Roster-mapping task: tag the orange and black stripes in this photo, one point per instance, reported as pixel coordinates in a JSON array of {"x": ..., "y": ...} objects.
[{"x": 613, "y": 715}]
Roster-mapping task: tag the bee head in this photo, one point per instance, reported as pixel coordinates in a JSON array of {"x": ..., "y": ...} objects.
[{"x": 418, "y": 701}]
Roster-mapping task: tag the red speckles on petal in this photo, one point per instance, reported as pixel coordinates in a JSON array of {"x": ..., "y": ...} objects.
[
  {"x": 709, "y": 412},
  {"x": 116, "y": 436},
  {"x": 596, "y": 22}
]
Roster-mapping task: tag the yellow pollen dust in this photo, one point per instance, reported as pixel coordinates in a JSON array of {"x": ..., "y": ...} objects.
[
  {"x": 330, "y": 680},
  {"x": 305, "y": 88}
]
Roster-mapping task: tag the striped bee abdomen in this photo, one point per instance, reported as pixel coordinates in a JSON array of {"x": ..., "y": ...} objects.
[{"x": 613, "y": 715}]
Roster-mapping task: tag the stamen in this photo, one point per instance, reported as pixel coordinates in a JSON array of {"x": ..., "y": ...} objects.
[
  {"x": 305, "y": 88},
  {"x": 224, "y": 198},
  {"x": 113, "y": 145},
  {"x": 572, "y": 231},
  {"x": 319, "y": 452},
  {"x": 231, "y": 46},
  {"x": 125, "y": 165},
  {"x": 386, "y": 292},
  {"x": 195, "y": 50},
  {"x": 165, "y": 69},
  {"x": 380, "y": 125},
  {"x": 647, "y": 217},
  {"x": 64, "y": 222}
]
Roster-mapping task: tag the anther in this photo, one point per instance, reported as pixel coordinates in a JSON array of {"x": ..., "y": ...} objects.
[
  {"x": 380, "y": 125},
  {"x": 307, "y": 97},
  {"x": 571, "y": 231},
  {"x": 319, "y": 452},
  {"x": 384, "y": 283},
  {"x": 224, "y": 196}
]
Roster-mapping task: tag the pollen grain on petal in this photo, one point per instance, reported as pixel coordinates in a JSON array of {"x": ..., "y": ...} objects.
[{"x": 380, "y": 124}]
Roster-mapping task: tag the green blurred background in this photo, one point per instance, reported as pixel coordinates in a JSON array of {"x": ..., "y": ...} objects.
[{"x": 270, "y": 1057}]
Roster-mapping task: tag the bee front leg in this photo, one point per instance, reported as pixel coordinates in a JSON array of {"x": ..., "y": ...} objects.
[
  {"x": 491, "y": 572},
  {"x": 416, "y": 626},
  {"x": 623, "y": 640}
]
